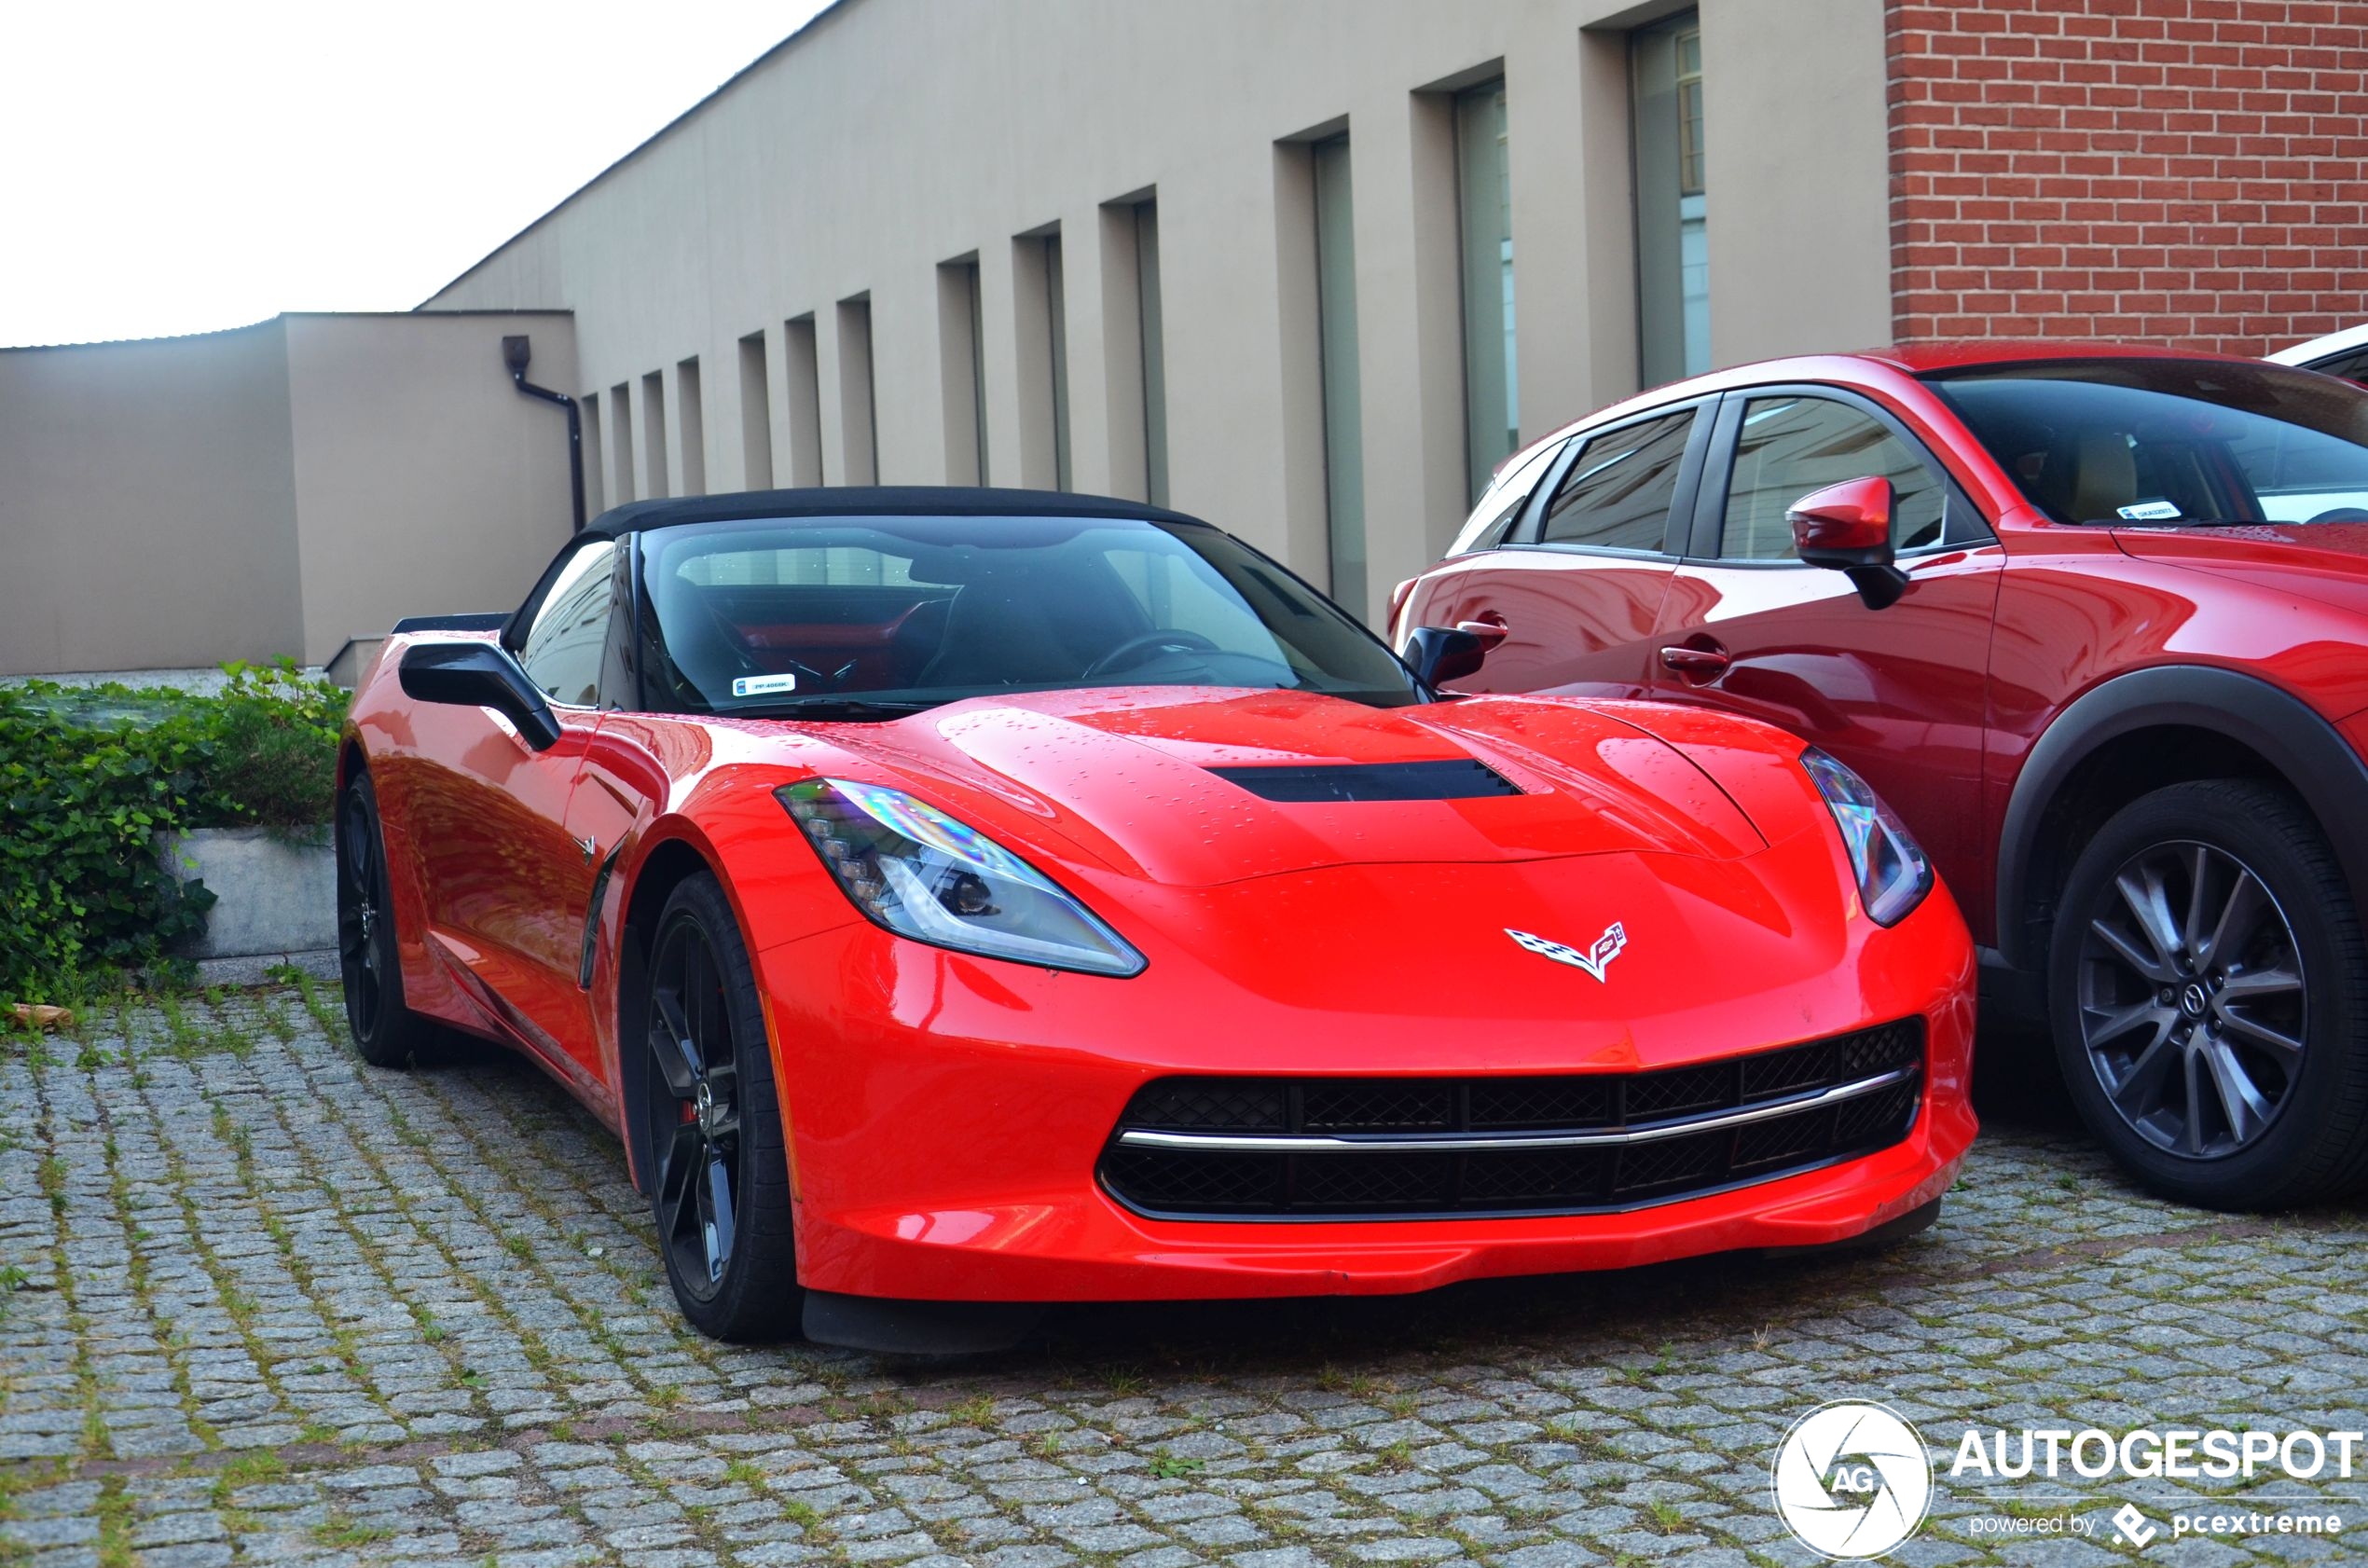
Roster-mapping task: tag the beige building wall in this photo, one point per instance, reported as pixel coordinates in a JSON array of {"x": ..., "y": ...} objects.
[
  {"x": 147, "y": 504},
  {"x": 280, "y": 488},
  {"x": 268, "y": 492},
  {"x": 1800, "y": 210},
  {"x": 823, "y": 188},
  {"x": 424, "y": 482}
]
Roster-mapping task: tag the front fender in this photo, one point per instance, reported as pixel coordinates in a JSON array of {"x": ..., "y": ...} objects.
[{"x": 731, "y": 828}]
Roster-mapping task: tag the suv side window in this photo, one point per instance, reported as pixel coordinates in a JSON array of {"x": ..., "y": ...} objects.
[
  {"x": 1502, "y": 505},
  {"x": 2351, "y": 364},
  {"x": 1617, "y": 494},
  {"x": 566, "y": 644},
  {"x": 1789, "y": 445}
]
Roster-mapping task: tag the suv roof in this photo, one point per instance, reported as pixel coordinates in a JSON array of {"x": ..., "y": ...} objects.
[
  {"x": 1918, "y": 359},
  {"x": 2322, "y": 348}
]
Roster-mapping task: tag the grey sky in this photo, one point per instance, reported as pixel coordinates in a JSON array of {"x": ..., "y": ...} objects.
[{"x": 181, "y": 167}]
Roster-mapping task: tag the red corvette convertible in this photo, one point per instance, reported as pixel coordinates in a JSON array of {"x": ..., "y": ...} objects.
[{"x": 962, "y": 901}]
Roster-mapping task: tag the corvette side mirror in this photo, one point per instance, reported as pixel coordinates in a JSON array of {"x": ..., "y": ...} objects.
[
  {"x": 479, "y": 675},
  {"x": 1847, "y": 528},
  {"x": 1438, "y": 653}
]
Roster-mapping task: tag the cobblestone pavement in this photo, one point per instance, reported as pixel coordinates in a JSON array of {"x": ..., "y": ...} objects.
[{"x": 261, "y": 1303}]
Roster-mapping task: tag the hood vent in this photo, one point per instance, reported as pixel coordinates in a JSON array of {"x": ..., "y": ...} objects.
[{"x": 1461, "y": 779}]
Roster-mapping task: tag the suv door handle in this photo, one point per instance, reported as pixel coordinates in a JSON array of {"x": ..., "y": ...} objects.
[
  {"x": 1698, "y": 663},
  {"x": 1489, "y": 627}
]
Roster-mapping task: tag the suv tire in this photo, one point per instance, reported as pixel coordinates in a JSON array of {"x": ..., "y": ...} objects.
[{"x": 2208, "y": 986}]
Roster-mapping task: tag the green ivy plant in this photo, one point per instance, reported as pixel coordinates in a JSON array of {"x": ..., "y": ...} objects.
[
  {"x": 272, "y": 749},
  {"x": 92, "y": 777}
]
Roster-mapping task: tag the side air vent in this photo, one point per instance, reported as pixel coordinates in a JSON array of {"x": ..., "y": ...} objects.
[{"x": 1461, "y": 779}]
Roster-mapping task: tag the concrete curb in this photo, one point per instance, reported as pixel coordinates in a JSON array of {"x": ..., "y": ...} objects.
[
  {"x": 255, "y": 968},
  {"x": 275, "y": 890}
]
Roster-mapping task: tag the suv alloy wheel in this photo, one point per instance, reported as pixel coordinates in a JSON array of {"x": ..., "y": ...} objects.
[{"x": 2209, "y": 990}]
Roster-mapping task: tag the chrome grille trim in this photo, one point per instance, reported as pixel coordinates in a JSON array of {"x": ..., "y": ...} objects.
[{"x": 1468, "y": 1143}]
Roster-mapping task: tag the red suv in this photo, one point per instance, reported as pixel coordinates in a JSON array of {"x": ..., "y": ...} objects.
[{"x": 2091, "y": 619}]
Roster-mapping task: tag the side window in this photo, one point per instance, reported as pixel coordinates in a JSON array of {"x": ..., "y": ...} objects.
[
  {"x": 1788, "y": 447},
  {"x": 564, "y": 647},
  {"x": 1500, "y": 507},
  {"x": 1618, "y": 493}
]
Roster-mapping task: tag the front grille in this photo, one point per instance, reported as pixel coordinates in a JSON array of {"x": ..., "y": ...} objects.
[
  {"x": 1383, "y": 1107},
  {"x": 1342, "y": 1145}
]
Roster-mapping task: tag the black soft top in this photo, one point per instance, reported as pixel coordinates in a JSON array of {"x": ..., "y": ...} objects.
[{"x": 873, "y": 501}]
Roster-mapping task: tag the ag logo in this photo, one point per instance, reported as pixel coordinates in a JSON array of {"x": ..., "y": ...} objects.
[
  {"x": 1608, "y": 947},
  {"x": 1852, "y": 1480}
]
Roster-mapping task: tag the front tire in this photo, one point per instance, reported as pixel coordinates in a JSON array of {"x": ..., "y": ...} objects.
[
  {"x": 2209, "y": 989},
  {"x": 720, "y": 1177},
  {"x": 387, "y": 1033}
]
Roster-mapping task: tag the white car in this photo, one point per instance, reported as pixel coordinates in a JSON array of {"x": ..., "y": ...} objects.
[{"x": 2341, "y": 354}]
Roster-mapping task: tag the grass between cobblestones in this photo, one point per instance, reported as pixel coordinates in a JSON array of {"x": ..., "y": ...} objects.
[{"x": 261, "y": 1303}]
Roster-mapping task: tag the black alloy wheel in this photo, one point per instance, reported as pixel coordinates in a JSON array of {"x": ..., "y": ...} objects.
[
  {"x": 2192, "y": 1000},
  {"x": 719, "y": 1172},
  {"x": 385, "y": 1032},
  {"x": 2209, "y": 991}
]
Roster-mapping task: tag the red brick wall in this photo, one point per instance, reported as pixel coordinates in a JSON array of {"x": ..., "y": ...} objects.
[{"x": 2184, "y": 171}]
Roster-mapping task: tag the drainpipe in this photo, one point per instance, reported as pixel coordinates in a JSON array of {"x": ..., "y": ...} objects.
[{"x": 515, "y": 353}]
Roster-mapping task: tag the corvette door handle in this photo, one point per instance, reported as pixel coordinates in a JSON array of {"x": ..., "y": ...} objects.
[{"x": 1698, "y": 663}]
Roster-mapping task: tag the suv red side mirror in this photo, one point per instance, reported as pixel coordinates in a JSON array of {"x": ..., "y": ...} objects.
[{"x": 1847, "y": 528}]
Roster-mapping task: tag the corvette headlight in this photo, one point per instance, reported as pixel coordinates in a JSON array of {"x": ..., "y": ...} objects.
[
  {"x": 922, "y": 874},
  {"x": 1894, "y": 876}
]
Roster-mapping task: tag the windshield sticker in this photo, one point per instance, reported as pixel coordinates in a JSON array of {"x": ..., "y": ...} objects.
[
  {"x": 2151, "y": 512},
  {"x": 766, "y": 685}
]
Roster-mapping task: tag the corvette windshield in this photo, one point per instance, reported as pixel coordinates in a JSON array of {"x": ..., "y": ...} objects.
[
  {"x": 2172, "y": 443},
  {"x": 873, "y": 617}
]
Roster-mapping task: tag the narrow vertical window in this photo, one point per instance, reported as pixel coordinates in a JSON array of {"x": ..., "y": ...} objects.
[
  {"x": 859, "y": 431},
  {"x": 1672, "y": 243},
  {"x": 1147, "y": 297},
  {"x": 1056, "y": 314},
  {"x": 621, "y": 439},
  {"x": 594, "y": 475},
  {"x": 802, "y": 387},
  {"x": 690, "y": 421},
  {"x": 1343, "y": 411},
  {"x": 1484, "y": 200},
  {"x": 978, "y": 372},
  {"x": 756, "y": 414},
  {"x": 653, "y": 434},
  {"x": 1040, "y": 345},
  {"x": 961, "y": 371}
]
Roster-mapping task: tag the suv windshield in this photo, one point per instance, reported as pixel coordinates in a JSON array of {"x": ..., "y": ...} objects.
[
  {"x": 2171, "y": 442},
  {"x": 871, "y": 617}
]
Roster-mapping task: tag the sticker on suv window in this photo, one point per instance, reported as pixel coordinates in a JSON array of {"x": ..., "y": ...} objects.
[
  {"x": 2151, "y": 512},
  {"x": 762, "y": 686}
]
